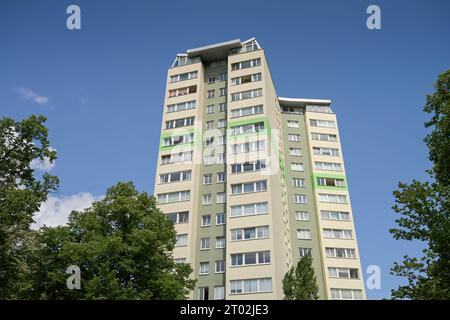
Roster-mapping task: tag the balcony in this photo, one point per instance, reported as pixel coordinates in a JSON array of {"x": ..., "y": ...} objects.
[
  {"x": 184, "y": 61},
  {"x": 249, "y": 47}
]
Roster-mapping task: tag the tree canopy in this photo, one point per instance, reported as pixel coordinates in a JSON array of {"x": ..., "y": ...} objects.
[
  {"x": 21, "y": 191},
  {"x": 424, "y": 209},
  {"x": 122, "y": 245},
  {"x": 300, "y": 282}
]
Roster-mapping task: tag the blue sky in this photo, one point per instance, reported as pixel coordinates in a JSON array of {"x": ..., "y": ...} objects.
[{"x": 102, "y": 88}]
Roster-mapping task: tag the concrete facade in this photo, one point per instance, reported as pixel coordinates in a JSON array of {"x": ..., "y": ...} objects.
[{"x": 253, "y": 181}]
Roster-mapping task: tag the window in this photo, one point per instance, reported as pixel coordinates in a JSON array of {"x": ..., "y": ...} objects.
[
  {"x": 297, "y": 166},
  {"x": 181, "y": 106},
  {"x": 221, "y": 158},
  {"x": 220, "y": 266},
  {"x": 301, "y": 215},
  {"x": 244, "y": 95},
  {"x": 298, "y": 110},
  {"x": 206, "y": 220},
  {"x": 205, "y": 243},
  {"x": 220, "y": 219},
  {"x": 344, "y": 273},
  {"x": 222, "y": 123},
  {"x": 337, "y": 233},
  {"x": 221, "y": 177},
  {"x": 248, "y": 147},
  {"x": 182, "y": 91},
  {"x": 335, "y": 215},
  {"x": 330, "y": 182},
  {"x": 328, "y": 166},
  {"x": 342, "y": 253},
  {"x": 223, "y": 76},
  {"x": 250, "y": 233},
  {"x": 180, "y": 260},
  {"x": 207, "y": 179},
  {"x": 184, "y": 76},
  {"x": 174, "y": 140},
  {"x": 220, "y": 242},
  {"x": 332, "y": 198},
  {"x": 293, "y": 124},
  {"x": 211, "y": 94},
  {"x": 209, "y": 125},
  {"x": 297, "y": 182},
  {"x": 247, "y": 128},
  {"x": 183, "y": 60},
  {"x": 300, "y": 198},
  {"x": 246, "y": 79},
  {"x": 249, "y": 209},
  {"x": 203, "y": 293},
  {"x": 250, "y": 258},
  {"x": 221, "y": 140},
  {"x": 304, "y": 252},
  {"x": 178, "y": 123},
  {"x": 211, "y": 80},
  {"x": 346, "y": 294},
  {"x": 174, "y": 196},
  {"x": 258, "y": 165},
  {"x": 207, "y": 199},
  {"x": 181, "y": 240},
  {"x": 293, "y": 137},
  {"x": 221, "y": 197},
  {"x": 179, "y": 217},
  {"x": 296, "y": 152},
  {"x": 322, "y": 123},
  {"x": 250, "y": 286},
  {"x": 326, "y": 151},
  {"x": 247, "y": 111},
  {"x": 248, "y": 47},
  {"x": 246, "y": 64},
  {"x": 204, "y": 268},
  {"x": 210, "y": 109},
  {"x": 222, "y": 107},
  {"x": 176, "y": 157},
  {"x": 222, "y": 92},
  {"x": 323, "y": 137},
  {"x": 209, "y": 141},
  {"x": 219, "y": 293},
  {"x": 304, "y": 234},
  {"x": 321, "y": 109},
  {"x": 208, "y": 160},
  {"x": 257, "y": 186},
  {"x": 175, "y": 176}
]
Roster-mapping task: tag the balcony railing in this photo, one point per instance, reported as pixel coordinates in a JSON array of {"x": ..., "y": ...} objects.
[
  {"x": 183, "y": 61},
  {"x": 246, "y": 48}
]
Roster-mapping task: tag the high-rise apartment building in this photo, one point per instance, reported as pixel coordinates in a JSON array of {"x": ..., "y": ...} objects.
[{"x": 252, "y": 181}]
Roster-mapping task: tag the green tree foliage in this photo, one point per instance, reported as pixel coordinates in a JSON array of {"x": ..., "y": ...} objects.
[
  {"x": 424, "y": 209},
  {"x": 122, "y": 245},
  {"x": 300, "y": 282},
  {"x": 21, "y": 191},
  {"x": 438, "y": 141}
]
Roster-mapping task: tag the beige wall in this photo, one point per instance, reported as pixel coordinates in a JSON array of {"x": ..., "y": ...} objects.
[
  {"x": 336, "y": 243},
  {"x": 279, "y": 241},
  {"x": 276, "y": 243}
]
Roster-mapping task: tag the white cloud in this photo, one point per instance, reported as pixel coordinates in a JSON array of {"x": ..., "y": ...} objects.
[
  {"x": 43, "y": 165},
  {"x": 55, "y": 211},
  {"x": 28, "y": 94},
  {"x": 41, "y": 100}
]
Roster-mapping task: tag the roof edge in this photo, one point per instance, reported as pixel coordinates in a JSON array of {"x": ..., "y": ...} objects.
[
  {"x": 216, "y": 45},
  {"x": 304, "y": 100}
]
